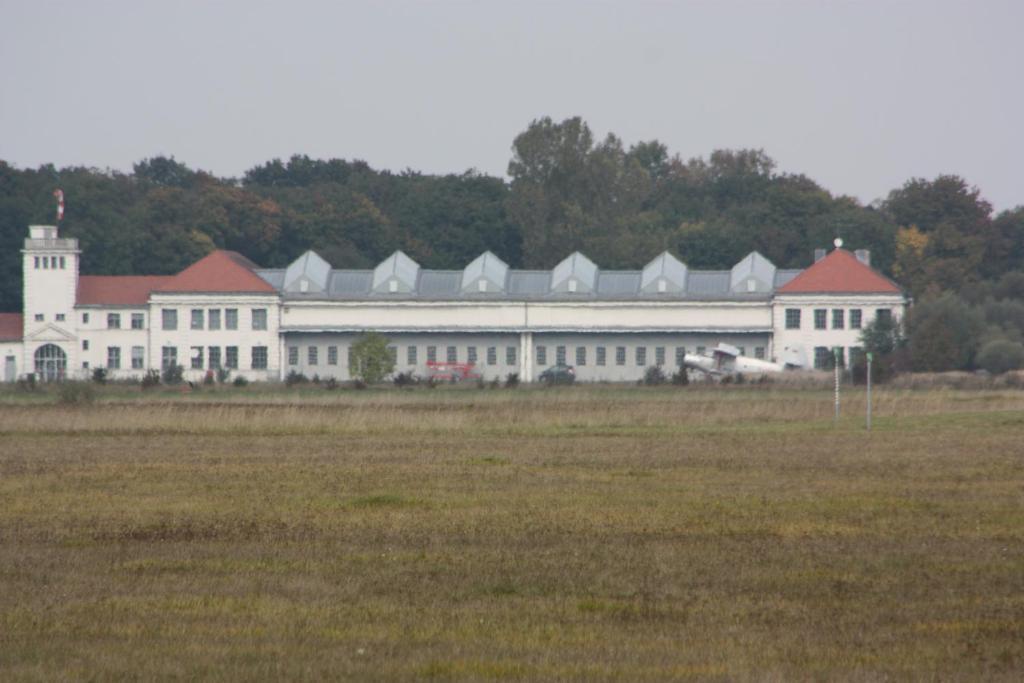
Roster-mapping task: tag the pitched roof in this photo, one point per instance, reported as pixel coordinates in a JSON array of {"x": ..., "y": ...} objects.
[
  {"x": 840, "y": 271},
  {"x": 218, "y": 271},
  {"x": 11, "y": 326},
  {"x": 117, "y": 290}
]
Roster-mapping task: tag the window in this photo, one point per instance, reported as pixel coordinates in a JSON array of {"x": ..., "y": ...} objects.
[
  {"x": 214, "y": 357},
  {"x": 431, "y": 354},
  {"x": 410, "y": 355},
  {"x": 822, "y": 358},
  {"x": 471, "y": 354},
  {"x": 197, "y": 319},
  {"x": 85, "y": 344},
  {"x": 46, "y": 262},
  {"x": 581, "y": 355},
  {"x": 138, "y": 357},
  {"x": 883, "y": 314},
  {"x": 259, "y": 358},
  {"x": 560, "y": 355},
  {"x": 759, "y": 352},
  {"x": 492, "y": 355},
  {"x": 393, "y": 355},
  {"x": 700, "y": 350},
  {"x": 332, "y": 355},
  {"x": 259, "y": 318},
  {"x": 680, "y": 356},
  {"x": 742, "y": 350},
  {"x": 659, "y": 355},
  {"x": 311, "y": 355},
  {"x": 214, "y": 318},
  {"x": 85, "y": 318},
  {"x": 601, "y": 355},
  {"x": 85, "y": 365},
  {"x": 168, "y": 357},
  {"x": 452, "y": 354},
  {"x": 39, "y": 317},
  {"x": 37, "y": 263},
  {"x": 114, "y": 357},
  {"x": 820, "y": 318},
  {"x": 792, "y": 318},
  {"x": 510, "y": 355},
  {"x": 641, "y": 356},
  {"x": 60, "y": 317},
  {"x": 231, "y": 357},
  {"x": 62, "y": 263},
  {"x": 113, "y": 321},
  {"x": 169, "y": 318},
  {"x": 230, "y": 318},
  {"x": 542, "y": 355},
  {"x": 838, "y": 321},
  {"x": 855, "y": 318},
  {"x": 620, "y": 355},
  {"x": 138, "y": 321},
  {"x": 197, "y": 357},
  {"x": 293, "y": 355}
]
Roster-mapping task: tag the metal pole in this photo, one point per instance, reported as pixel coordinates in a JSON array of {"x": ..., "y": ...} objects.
[
  {"x": 835, "y": 358},
  {"x": 869, "y": 390}
]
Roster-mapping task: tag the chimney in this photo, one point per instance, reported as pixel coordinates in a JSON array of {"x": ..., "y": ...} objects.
[
  {"x": 819, "y": 254},
  {"x": 864, "y": 256}
]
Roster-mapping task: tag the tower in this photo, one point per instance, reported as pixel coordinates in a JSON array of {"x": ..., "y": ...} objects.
[{"x": 50, "y": 283}]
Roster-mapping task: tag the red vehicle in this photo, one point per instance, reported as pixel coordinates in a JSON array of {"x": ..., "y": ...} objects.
[{"x": 452, "y": 372}]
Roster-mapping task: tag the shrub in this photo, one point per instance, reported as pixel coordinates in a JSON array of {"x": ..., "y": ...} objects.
[
  {"x": 76, "y": 393},
  {"x": 680, "y": 378},
  {"x": 173, "y": 374},
  {"x": 404, "y": 379},
  {"x": 294, "y": 377},
  {"x": 99, "y": 375},
  {"x": 495, "y": 383},
  {"x": 369, "y": 360},
  {"x": 431, "y": 383},
  {"x": 223, "y": 374},
  {"x": 208, "y": 378},
  {"x": 150, "y": 379},
  {"x": 512, "y": 380},
  {"x": 358, "y": 384},
  {"x": 1001, "y": 355},
  {"x": 27, "y": 383},
  {"x": 241, "y": 381},
  {"x": 331, "y": 384},
  {"x": 653, "y": 376}
]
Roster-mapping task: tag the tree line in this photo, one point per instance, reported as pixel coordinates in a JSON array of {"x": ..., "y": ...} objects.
[{"x": 566, "y": 190}]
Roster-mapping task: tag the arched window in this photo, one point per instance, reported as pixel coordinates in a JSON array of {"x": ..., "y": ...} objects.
[{"x": 51, "y": 363}]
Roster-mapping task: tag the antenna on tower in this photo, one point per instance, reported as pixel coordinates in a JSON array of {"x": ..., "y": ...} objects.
[{"x": 59, "y": 196}]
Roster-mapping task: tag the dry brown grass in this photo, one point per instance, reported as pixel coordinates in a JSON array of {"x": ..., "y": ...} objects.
[{"x": 594, "y": 534}]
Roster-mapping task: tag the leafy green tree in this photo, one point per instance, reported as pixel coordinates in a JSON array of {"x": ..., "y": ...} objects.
[
  {"x": 944, "y": 334},
  {"x": 369, "y": 360},
  {"x": 1001, "y": 355}
]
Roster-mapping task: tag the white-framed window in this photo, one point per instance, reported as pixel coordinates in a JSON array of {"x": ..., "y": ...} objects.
[
  {"x": 838, "y": 319},
  {"x": 600, "y": 354},
  {"x": 659, "y": 356},
  {"x": 259, "y": 318},
  {"x": 138, "y": 357},
  {"x": 168, "y": 357},
  {"x": 85, "y": 318},
  {"x": 542, "y": 355},
  {"x": 641, "y": 356},
  {"x": 759, "y": 352},
  {"x": 393, "y": 355},
  {"x": 820, "y": 318},
  {"x": 492, "y": 355},
  {"x": 620, "y": 355},
  {"x": 113, "y": 321},
  {"x": 231, "y": 357},
  {"x": 197, "y": 318},
  {"x": 332, "y": 355},
  {"x": 214, "y": 357},
  {"x": 431, "y": 354},
  {"x": 792, "y": 318},
  {"x": 259, "y": 358},
  {"x": 471, "y": 352},
  {"x": 311, "y": 355},
  {"x": 230, "y": 318},
  {"x": 60, "y": 317},
  {"x": 138, "y": 321},
  {"x": 560, "y": 351},
  {"x": 293, "y": 355},
  {"x": 39, "y": 317},
  {"x": 169, "y": 318},
  {"x": 197, "y": 357},
  {"x": 452, "y": 355},
  {"x": 581, "y": 355},
  {"x": 411, "y": 355},
  {"x": 114, "y": 357},
  {"x": 510, "y": 355},
  {"x": 214, "y": 318},
  {"x": 856, "y": 318},
  {"x": 680, "y": 356}
]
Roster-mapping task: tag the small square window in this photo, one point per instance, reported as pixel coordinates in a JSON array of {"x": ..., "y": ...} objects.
[
  {"x": 259, "y": 358},
  {"x": 39, "y": 317},
  {"x": 259, "y": 318},
  {"x": 60, "y": 317},
  {"x": 138, "y": 321},
  {"x": 792, "y": 318},
  {"x": 113, "y": 321}
]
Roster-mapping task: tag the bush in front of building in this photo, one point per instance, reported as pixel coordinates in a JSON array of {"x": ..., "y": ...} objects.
[
  {"x": 653, "y": 376},
  {"x": 369, "y": 360},
  {"x": 99, "y": 375},
  {"x": 405, "y": 379},
  {"x": 76, "y": 393},
  {"x": 173, "y": 374},
  {"x": 1001, "y": 355},
  {"x": 240, "y": 382},
  {"x": 294, "y": 377},
  {"x": 512, "y": 380},
  {"x": 680, "y": 378},
  {"x": 150, "y": 379}
]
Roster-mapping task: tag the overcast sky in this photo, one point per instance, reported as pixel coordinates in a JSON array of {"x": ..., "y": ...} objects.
[{"x": 860, "y": 96}]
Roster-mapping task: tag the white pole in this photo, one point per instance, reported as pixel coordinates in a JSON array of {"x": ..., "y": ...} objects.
[
  {"x": 869, "y": 391},
  {"x": 835, "y": 362}
]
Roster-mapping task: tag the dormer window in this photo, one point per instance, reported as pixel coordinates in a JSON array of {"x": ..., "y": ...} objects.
[
  {"x": 751, "y": 286},
  {"x": 392, "y": 286},
  {"x": 662, "y": 286},
  {"x": 482, "y": 285},
  {"x": 304, "y": 286},
  {"x": 572, "y": 286}
]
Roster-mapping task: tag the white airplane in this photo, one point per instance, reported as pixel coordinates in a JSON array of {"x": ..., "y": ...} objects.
[{"x": 726, "y": 359}]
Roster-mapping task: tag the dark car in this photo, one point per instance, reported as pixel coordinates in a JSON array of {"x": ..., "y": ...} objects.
[{"x": 559, "y": 374}]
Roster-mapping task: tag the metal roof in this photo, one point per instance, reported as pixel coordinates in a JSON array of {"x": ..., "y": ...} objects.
[{"x": 505, "y": 284}]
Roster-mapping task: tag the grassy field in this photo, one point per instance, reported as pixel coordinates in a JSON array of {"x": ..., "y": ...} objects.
[{"x": 585, "y": 533}]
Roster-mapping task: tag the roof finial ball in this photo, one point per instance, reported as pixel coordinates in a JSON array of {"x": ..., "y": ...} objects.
[{"x": 838, "y": 242}]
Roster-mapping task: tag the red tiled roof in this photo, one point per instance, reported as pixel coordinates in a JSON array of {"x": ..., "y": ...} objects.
[
  {"x": 840, "y": 271},
  {"x": 219, "y": 271},
  {"x": 118, "y": 290},
  {"x": 11, "y": 326}
]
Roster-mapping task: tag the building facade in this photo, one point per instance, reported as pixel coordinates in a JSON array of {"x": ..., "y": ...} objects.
[{"x": 224, "y": 312}]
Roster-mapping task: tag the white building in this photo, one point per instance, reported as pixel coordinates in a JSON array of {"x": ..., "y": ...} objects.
[{"x": 225, "y": 312}]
